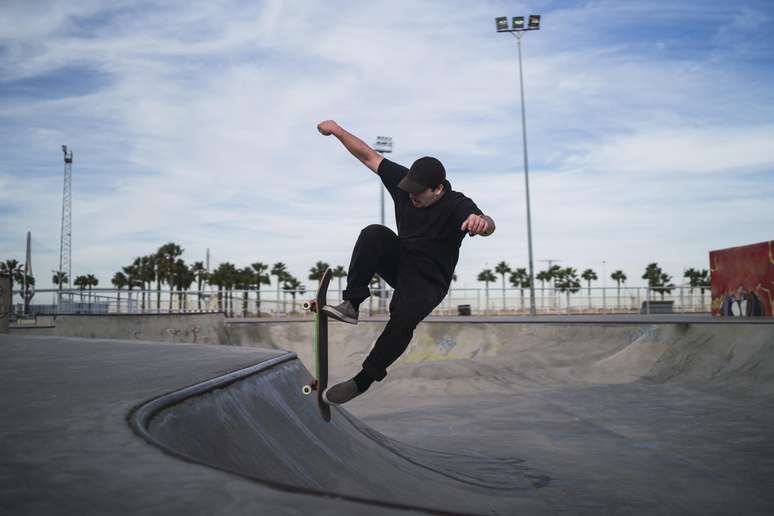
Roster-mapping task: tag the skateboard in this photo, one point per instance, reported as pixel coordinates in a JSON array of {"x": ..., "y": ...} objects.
[{"x": 320, "y": 383}]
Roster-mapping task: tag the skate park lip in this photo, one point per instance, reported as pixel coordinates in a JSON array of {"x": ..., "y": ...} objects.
[
  {"x": 140, "y": 418},
  {"x": 593, "y": 319}
]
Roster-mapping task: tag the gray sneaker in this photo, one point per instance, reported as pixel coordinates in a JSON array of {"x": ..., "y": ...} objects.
[
  {"x": 341, "y": 393},
  {"x": 343, "y": 312}
]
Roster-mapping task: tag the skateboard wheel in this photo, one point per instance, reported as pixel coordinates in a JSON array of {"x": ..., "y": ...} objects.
[{"x": 307, "y": 390}]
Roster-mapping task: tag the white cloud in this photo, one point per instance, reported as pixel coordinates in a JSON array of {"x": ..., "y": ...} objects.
[{"x": 202, "y": 132}]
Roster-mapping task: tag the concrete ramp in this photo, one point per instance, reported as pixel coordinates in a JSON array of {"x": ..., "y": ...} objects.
[{"x": 256, "y": 423}]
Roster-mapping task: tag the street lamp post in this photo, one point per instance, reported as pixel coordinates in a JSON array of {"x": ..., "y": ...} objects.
[
  {"x": 383, "y": 146},
  {"x": 604, "y": 286},
  {"x": 518, "y": 29}
]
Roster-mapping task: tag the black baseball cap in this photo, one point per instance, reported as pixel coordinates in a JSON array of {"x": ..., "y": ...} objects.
[{"x": 425, "y": 173}]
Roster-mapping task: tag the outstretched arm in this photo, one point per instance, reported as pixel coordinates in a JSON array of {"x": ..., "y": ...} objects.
[
  {"x": 353, "y": 144},
  {"x": 478, "y": 225}
]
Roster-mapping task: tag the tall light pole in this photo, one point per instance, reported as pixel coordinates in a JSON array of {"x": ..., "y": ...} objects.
[
  {"x": 518, "y": 29},
  {"x": 383, "y": 146}
]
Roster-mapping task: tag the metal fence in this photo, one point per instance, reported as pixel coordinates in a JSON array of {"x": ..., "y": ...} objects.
[{"x": 479, "y": 301}]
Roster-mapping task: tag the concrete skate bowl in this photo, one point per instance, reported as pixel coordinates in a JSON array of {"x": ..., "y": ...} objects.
[
  {"x": 256, "y": 423},
  {"x": 456, "y": 359}
]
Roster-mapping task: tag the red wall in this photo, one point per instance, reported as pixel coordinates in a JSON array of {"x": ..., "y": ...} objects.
[{"x": 743, "y": 280}]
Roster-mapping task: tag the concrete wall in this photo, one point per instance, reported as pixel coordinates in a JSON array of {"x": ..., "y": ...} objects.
[
  {"x": 208, "y": 328},
  {"x": 5, "y": 303}
]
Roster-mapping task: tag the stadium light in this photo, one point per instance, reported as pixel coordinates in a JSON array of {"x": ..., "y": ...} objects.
[{"x": 518, "y": 30}]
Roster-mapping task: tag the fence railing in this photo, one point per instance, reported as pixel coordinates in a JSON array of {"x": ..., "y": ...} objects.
[{"x": 253, "y": 303}]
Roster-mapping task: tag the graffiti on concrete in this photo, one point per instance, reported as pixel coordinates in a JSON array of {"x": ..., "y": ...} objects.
[{"x": 446, "y": 344}]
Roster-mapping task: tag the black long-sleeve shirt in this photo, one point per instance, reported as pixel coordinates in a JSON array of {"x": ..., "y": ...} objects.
[{"x": 430, "y": 237}]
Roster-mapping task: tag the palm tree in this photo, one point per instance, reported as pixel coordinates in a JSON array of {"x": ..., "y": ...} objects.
[
  {"x": 29, "y": 281},
  {"x": 261, "y": 278},
  {"x": 59, "y": 278},
  {"x": 216, "y": 278},
  {"x": 225, "y": 277},
  {"x": 119, "y": 281},
  {"x": 13, "y": 269},
  {"x": 698, "y": 278},
  {"x": 132, "y": 274},
  {"x": 147, "y": 274},
  {"x": 167, "y": 256},
  {"x": 554, "y": 274},
  {"x": 279, "y": 270},
  {"x": 182, "y": 278},
  {"x": 619, "y": 277},
  {"x": 338, "y": 273},
  {"x": 657, "y": 279},
  {"x": 502, "y": 269},
  {"x": 520, "y": 279},
  {"x": 91, "y": 281},
  {"x": 542, "y": 277},
  {"x": 81, "y": 282},
  {"x": 589, "y": 275},
  {"x": 292, "y": 286},
  {"x": 244, "y": 281},
  {"x": 231, "y": 275},
  {"x": 201, "y": 275},
  {"x": 316, "y": 272},
  {"x": 693, "y": 280},
  {"x": 487, "y": 277},
  {"x": 567, "y": 281}
]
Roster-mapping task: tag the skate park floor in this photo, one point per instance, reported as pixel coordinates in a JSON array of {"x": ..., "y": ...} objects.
[{"x": 672, "y": 418}]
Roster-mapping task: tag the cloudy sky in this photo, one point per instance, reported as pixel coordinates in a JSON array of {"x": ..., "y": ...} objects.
[{"x": 650, "y": 127}]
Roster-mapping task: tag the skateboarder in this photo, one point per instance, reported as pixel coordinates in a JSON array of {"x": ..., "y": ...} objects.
[{"x": 418, "y": 262}]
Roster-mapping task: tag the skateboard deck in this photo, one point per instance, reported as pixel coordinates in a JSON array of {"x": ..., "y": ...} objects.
[{"x": 320, "y": 382}]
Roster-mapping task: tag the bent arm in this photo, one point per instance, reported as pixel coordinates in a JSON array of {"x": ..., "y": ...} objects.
[{"x": 353, "y": 144}]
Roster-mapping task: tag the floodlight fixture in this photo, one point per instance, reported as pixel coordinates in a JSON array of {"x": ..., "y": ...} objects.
[{"x": 517, "y": 24}]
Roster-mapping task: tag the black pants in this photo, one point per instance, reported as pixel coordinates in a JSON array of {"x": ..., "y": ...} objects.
[{"x": 377, "y": 251}]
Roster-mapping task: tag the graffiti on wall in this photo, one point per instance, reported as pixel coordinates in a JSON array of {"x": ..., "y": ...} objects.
[{"x": 743, "y": 280}]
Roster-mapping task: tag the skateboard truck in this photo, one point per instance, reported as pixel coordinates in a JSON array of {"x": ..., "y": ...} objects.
[{"x": 310, "y": 387}]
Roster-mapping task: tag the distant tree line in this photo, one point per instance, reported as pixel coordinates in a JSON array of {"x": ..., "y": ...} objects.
[
  {"x": 166, "y": 268},
  {"x": 566, "y": 279}
]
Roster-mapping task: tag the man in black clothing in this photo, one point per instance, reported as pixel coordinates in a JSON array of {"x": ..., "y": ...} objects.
[{"x": 418, "y": 262}]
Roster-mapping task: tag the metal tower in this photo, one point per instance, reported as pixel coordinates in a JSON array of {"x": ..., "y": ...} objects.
[{"x": 65, "y": 248}]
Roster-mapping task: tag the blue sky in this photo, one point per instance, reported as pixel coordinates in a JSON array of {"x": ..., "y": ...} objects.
[{"x": 650, "y": 127}]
